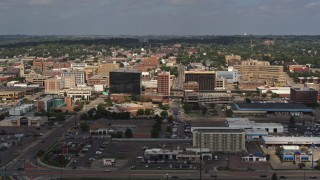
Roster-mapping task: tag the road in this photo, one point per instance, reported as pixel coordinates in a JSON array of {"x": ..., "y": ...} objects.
[{"x": 29, "y": 152}]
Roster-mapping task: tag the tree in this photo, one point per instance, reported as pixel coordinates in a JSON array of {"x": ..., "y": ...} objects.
[
  {"x": 148, "y": 111},
  {"x": 274, "y": 176},
  {"x": 264, "y": 95},
  {"x": 60, "y": 117},
  {"x": 301, "y": 165},
  {"x": 187, "y": 108},
  {"x": 40, "y": 153},
  {"x": 140, "y": 112},
  {"x": 268, "y": 157},
  {"x": 247, "y": 100},
  {"x": 279, "y": 150},
  {"x": 229, "y": 112},
  {"x": 204, "y": 109},
  {"x": 91, "y": 112},
  {"x": 84, "y": 116},
  {"x": 154, "y": 133},
  {"x": 84, "y": 126},
  {"x": 169, "y": 129},
  {"x": 292, "y": 121},
  {"x": 170, "y": 119},
  {"x": 128, "y": 133},
  {"x": 164, "y": 114}
]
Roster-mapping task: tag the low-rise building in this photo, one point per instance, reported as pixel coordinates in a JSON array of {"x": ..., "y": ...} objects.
[
  {"x": 22, "y": 121},
  {"x": 11, "y": 95}
]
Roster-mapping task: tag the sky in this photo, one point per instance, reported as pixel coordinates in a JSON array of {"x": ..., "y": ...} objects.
[{"x": 160, "y": 17}]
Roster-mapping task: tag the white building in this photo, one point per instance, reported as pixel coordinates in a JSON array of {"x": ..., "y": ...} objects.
[
  {"x": 78, "y": 93},
  {"x": 79, "y": 75},
  {"x": 244, "y": 123},
  {"x": 21, "y": 110}
]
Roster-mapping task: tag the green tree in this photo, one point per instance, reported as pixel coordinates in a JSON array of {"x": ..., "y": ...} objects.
[
  {"x": 148, "y": 111},
  {"x": 187, "y": 108},
  {"x": 40, "y": 153},
  {"x": 204, "y": 109},
  {"x": 268, "y": 157},
  {"x": 164, "y": 114},
  {"x": 247, "y": 100},
  {"x": 292, "y": 121},
  {"x": 170, "y": 119},
  {"x": 301, "y": 165},
  {"x": 84, "y": 126},
  {"x": 274, "y": 176},
  {"x": 140, "y": 112},
  {"x": 264, "y": 95},
  {"x": 169, "y": 129},
  {"x": 154, "y": 133},
  {"x": 60, "y": 117},
  {"x": 278, "y": 151},
  {"x": 229, "y": 112},
  {"x": 128, "y": 133},
  {"x": 84, "y": 116}
]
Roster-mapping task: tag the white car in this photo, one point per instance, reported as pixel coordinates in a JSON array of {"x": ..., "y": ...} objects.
[
  {"x": 88, "y": 146},
  {"x": 98, "y": 152}
]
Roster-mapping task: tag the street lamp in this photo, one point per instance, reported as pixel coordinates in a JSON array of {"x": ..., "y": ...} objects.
[{"x": 167, "y": 176}]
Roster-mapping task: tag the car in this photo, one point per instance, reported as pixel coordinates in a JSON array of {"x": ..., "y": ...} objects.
[
  {"x": 74, "y": 167},
  {"x": 85, "y": 149},
  {"x": 101, "y": 149},
  {"x": 283, "y": 177},
  {"x": 106, "y": 170},
  {"x": 313, "y": 177},
  {"x": 88, "y": 146},
  {"x": 98, "y": 152},
  {"x": 263, "y": 175},
  {"x": 144, "y": 147},
  {"x": 174, "y": 177},
  {"x": 92, "y": 159}
]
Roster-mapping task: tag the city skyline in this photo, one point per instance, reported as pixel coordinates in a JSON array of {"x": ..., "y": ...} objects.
[{"x": 159, "y": 17}]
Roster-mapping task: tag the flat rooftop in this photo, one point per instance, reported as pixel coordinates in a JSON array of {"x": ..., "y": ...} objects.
[
  {"x": 272, "y": 107},
  {"x": 283, "y": 140},
  {"x": 126, "y": 70}
]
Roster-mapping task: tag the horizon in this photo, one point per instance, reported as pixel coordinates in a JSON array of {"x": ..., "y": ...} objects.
[{"x": 159, "y": 17}]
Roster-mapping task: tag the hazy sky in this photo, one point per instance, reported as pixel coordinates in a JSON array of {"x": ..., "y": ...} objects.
[{"x": 159, "y": 17}]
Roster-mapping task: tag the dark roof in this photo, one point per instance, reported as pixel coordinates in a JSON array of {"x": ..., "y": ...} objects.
[{"x": 272, "y": 107}]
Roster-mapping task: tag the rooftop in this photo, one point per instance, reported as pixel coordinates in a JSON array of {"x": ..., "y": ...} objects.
[
  {"x": 126, "y": 70},
  {"x": 275, "y": 107}
]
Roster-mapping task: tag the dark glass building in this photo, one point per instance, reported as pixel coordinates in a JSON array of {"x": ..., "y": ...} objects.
[
  {"x": 125, "y": 81},
  {"x": 205, "y": 79}
]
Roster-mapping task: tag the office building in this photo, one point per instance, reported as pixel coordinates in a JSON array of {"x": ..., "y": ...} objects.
[
  {"x": 52, "y": 86},
  {"x": 303, "y": 95},
  {"x": 163, "y": 84},
  {"x": 79, "y": 76},
  {"x": 253, "y": 70},
  {"x": 205, "y": 79},
  {"x": 125, "y": 81},
  {"x": 219, "y": 139}
]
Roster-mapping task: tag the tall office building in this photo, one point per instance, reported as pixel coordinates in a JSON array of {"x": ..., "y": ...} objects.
[
  {"x": 163, "y": 84},
  {"x": 205, "y": 79},
  {"x": 125, "y": 81},
  {"x": 79, "y": 75}
]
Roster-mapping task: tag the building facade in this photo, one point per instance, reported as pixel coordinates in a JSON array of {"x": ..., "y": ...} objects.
[
  {"x": 125, "y": 81},
  {"x": 303, "y": 95},
  {"x": 79, "y": 76},
  {"x": 52, "y": 86},
  {"x": 253, "y": 70},
  {"x": 163, "y": 84},
  {"x": 205, "y": 79},
  {"x": 219, "y": 140}
]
